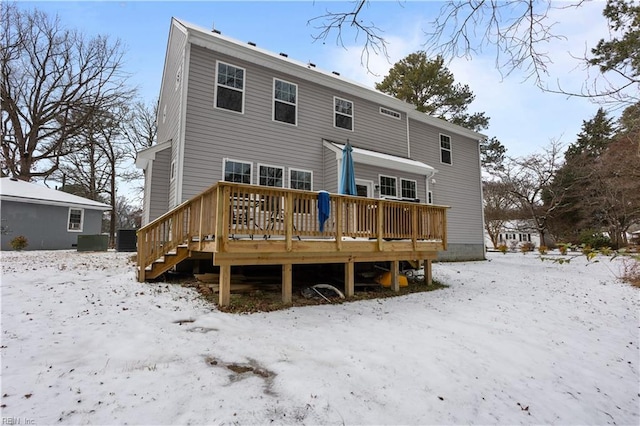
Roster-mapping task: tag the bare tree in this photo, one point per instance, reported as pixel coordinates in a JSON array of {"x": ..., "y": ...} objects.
[
  {"x": 530, "y": 181},
  {"x": 53, "y": 80},
  {"x": 129, "y": 216},
  {"x": 499, "y": 208},
  {"x": 615, "y": 188},
  {"x": 140, "y": 128},
  {"x": 140, "y": 131},
  {"x": 334, "y": 23},
  {"x": 519, "y": 32},
  {"x": 95, "y": 168}
]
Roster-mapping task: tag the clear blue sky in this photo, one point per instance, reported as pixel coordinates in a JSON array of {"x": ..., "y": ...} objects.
[{"x": 523, "y": 118}]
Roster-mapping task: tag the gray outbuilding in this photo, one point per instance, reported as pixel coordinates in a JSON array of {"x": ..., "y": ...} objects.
[{"x": 47, "y": 218}]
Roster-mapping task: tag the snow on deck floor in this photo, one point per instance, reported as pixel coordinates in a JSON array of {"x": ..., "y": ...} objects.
[{"x": 513, "y": 340}]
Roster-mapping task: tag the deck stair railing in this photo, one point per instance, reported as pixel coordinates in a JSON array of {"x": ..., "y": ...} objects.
[{"x": 229, "y": 211}]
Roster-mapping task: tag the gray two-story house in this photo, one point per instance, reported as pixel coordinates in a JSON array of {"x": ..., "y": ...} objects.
[{"x": 232, "y": 112}]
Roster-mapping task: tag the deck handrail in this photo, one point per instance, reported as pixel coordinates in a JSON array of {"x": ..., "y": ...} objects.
[{"x": 227, "y": 211}]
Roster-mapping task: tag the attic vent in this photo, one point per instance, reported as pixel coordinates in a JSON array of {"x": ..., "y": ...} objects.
[
  {"x": 251, "y": 44},
  {"x": 284, "y": 54},
  {"x": 335, "y": 72},
  {"x": 216, "y": 31},
  {"x": 390, "y": 112}
]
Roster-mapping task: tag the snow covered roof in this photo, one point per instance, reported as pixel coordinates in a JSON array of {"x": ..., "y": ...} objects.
[
  {"x": 26, "y": 192},
  {"x": 380, "y": 159}
]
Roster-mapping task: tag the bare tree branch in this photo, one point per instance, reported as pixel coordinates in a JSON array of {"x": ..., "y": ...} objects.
[
  {"x": 53, "y": 81},
  {"x": 335, "y": 22}
]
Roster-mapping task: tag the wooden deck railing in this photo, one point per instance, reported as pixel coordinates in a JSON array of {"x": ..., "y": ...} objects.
[{"x": 231, "y": 211}]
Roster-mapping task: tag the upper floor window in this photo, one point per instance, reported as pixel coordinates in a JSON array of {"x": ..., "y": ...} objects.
[
  {"x": 343, "y": 113},
  {"x": 237, "y": 171},
  {"x": 76, "y": 219},
  {"x": 390, "y": 113},
  {"x": 229, "y": 87},
  {"x": 388, "y": 186},
  {"x": 270, "y": 175},
  {"x": 300, "y": 179},
  {"x": 285, "y": 100},
  {"x": 408, "y": 188},
  {"x": 445, "y": 149}
]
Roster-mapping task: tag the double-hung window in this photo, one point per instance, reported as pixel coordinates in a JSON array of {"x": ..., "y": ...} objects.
[
  {"x": 285, "y": 101},
  {"x": 408, "y": 189},
  {"x": 343, "y": 113},
  {"x": 388, "y": 186},
  {"x": 76, "y": 219},
  {"x": 237, "y": 171},
  {"x": 270, "y": 175},
  {"x": 300, "y": 179},
  {"x": 445, "y": 149},
  {"x": 229, "y": 87}
]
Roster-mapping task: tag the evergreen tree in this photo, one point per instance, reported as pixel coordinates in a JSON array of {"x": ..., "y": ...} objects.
[
  {"x": 431, "y": 87},
  {"x": 594, "y": 137}
]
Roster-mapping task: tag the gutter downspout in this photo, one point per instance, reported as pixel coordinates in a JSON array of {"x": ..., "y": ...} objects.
[
  {"x": 426, "y": 180},
  {"x": 408, "y": 138}
]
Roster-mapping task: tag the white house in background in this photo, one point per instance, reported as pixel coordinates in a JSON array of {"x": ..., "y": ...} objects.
[
  {"x": 48, "y": 219},
  {"x": 514, "y": 234}
]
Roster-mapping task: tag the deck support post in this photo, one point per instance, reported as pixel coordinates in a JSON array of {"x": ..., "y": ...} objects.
[
  {"x": 224, "y": 287},
  {"x": 428, "y": 267},
  {"x": 287, "y": 272},
  {"x": 395, "y": 282},
  {"x": 349, "y": 278}
]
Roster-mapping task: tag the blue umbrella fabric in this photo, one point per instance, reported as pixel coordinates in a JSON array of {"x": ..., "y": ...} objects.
[
  {"x": 348, "y": 175},
  {"x": 324, "y": 208}
]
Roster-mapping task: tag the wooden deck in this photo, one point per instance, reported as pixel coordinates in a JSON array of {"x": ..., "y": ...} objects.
[{"x": 256, "y": 225}]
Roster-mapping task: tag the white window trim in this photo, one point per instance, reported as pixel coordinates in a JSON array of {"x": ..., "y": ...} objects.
[
  {"x": 353, "y": 114},
  {"x": 216, "y": 84},
  {"x": 390, "y": 113},
  {"x": 415, "y": 182},
  {"x": 273, "y": 105},
  {"x": 298, "y": 170},
  {"x": 441, "y": 148},
  {"x": 224, "y": 166},
  {"x": 393, "y": 197},
  {"x": 81, "y": 220},
  {"x": 273, "y": 166}
]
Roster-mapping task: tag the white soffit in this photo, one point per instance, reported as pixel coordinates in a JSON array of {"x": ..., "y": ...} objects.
[
  {"x": 379, "y": 159},
  {"x": 143, "y": 156}
]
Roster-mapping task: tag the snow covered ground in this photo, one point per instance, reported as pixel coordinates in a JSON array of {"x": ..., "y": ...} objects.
[{"x": 513, "y": 340}]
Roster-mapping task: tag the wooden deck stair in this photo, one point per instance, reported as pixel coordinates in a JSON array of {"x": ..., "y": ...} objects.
[{"x": 168, "y": 261}]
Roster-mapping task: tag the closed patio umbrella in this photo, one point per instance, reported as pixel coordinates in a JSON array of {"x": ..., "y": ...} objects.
[{"x": 348, "y": 175}]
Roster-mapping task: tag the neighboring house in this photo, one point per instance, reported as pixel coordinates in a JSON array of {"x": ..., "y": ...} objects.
[
  {"x": 49, "y": 219},
  {"x": 231, "y": 111},
  {"x": 516, "y": 233}
]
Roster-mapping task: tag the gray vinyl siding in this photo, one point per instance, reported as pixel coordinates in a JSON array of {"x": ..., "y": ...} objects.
[
  {"x": 158, "y": 194},
  {"x": 213, "y": 134},
  {"x": 45, "y": 226},
  {"x": 457, "y": 185},
  {"x": 169, "y": 123}
]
